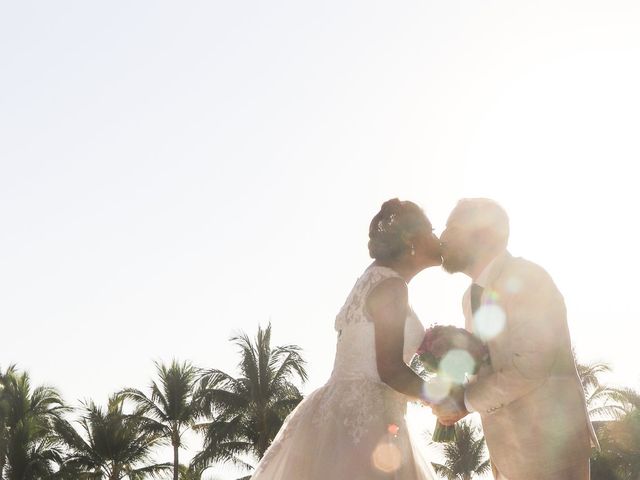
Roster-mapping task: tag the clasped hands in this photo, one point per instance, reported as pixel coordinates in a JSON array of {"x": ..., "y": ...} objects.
[{"x": 452, "y": 408}]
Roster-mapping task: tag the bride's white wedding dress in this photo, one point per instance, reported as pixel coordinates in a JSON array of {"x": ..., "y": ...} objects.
[{"x": 352, "y": 428}]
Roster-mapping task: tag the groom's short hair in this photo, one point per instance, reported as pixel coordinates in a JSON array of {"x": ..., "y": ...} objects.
[{"x": 484, "y": 214}]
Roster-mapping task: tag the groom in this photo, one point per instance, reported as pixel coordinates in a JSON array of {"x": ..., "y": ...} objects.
[{"x": 530, "y": 401}]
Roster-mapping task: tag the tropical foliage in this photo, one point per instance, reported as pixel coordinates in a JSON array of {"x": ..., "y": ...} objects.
[
  {"x": 615, "y": 413},
  {"x": 465, "y": 457},
  {"x": 619, "y": 457},
  {"x": 172, "y": 407},
  {"x": 29, "y": 447},
  {"x": 113, "y": 445},
  {"x": 603, "y": 402},
  {"x": 247, "y": 411}
]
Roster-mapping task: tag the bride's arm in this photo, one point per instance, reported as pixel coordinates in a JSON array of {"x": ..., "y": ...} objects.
[{"x": 388, "y": 306}]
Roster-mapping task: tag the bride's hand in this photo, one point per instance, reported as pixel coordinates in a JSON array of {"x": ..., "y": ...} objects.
[{"x": 449, "y": 412}]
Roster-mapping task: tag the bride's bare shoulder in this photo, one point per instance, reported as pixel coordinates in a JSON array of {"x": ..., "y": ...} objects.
[{"x": 388, "y": 292}]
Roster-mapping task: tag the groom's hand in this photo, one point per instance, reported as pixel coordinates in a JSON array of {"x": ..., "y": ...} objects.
[{"x": 452, "y": 409}]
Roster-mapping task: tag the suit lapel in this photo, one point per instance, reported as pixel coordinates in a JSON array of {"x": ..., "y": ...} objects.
[{"x": 488, "y": 295}]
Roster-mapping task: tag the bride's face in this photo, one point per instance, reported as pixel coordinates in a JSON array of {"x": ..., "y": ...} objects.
[{"x": 427, "y": 247}]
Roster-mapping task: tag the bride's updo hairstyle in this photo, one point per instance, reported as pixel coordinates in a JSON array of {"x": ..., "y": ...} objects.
[{"x": 396, "y": 222}]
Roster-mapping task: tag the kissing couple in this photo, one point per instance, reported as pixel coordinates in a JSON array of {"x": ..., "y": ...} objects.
[{"x": 529, "y": 396}]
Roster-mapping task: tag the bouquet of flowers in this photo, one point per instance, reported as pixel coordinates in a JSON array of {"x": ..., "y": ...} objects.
[{"x": 451, "y": 354}]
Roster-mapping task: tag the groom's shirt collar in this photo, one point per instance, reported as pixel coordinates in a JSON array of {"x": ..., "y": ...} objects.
[{"x": 483, "y": 278}]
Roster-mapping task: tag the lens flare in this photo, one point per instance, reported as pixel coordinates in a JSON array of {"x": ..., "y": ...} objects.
[
  {"x": 488, "y": 322},
  {"x": 393, "y": 429},
  {"x": 437, "y": 389},
  {"x": 456, "y": 364},
  {"x": 386, "y": 457}
]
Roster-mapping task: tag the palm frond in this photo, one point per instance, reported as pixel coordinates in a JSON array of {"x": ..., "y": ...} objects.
[
  {"x": 144, "y": 404},
  {"x": 443, "y": 470},
  {"x": 248, "y": 410},
  {"x": 292, "y": 363},
  {"x": 465, "y": 456},
  {"x": 149, "y": 470}
]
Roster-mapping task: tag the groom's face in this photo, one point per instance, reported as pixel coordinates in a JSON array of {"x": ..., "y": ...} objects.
[{"x": 458, "y": 247}]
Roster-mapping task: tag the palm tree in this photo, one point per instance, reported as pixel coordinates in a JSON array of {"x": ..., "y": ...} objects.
[
  {"x": 619, "y": 457},
  {"x": 602, "y": 401},
  {"x": 173, "y": 406},
  {"x": 465, "y": 456},
  {"x": 34, "y": 451},
  {"x": 249, "y": 410},
  {"x": 5, "y": 409},
  {"x": 115, "y": 445},
  {"x": 612, "y": 410},
  {"x": 29, "y": 448}
]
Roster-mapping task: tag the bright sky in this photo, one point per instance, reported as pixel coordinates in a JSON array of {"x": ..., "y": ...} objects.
[{"x": 171, "y": 173}]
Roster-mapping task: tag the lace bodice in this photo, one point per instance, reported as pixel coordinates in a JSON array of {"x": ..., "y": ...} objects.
[{"x": 356, "y": 352}]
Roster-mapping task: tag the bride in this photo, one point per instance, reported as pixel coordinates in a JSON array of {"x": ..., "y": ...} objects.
[{"x": 353, "y": 428}]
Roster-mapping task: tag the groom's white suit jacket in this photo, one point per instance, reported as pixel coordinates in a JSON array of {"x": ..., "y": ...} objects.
[{"x": 531, "y": 401}]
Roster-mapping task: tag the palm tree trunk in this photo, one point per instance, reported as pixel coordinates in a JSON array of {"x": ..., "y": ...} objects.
[
  {"x": 115, "y": 473},
  {"x": 263, "y": 438},
  {"x": 176, "y": 463}
]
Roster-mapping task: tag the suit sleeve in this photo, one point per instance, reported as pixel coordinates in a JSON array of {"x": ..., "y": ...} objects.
[{"x": 534, "y": 317}]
